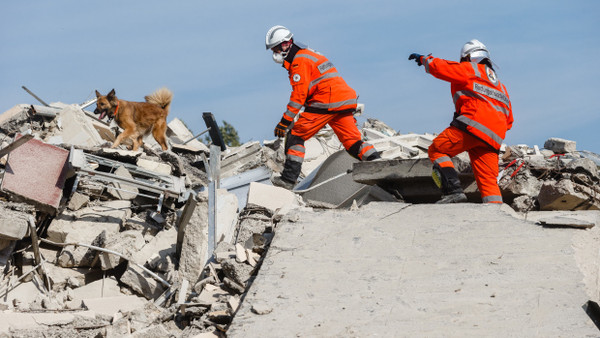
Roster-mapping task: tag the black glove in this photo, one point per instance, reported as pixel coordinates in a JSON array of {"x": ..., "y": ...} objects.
[
  {"x": 281, "y": 127},
  {"x": 416, "y": 57}
]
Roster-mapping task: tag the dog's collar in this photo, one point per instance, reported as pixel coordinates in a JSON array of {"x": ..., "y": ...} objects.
[{"x": 116, "y": 110}]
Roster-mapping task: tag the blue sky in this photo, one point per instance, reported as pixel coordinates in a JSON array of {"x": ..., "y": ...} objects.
[{"x": 211, "y": 54}]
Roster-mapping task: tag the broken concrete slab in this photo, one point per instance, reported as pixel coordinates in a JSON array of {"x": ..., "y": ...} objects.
[
  {"x": 435, "y": 289},
  {"x": 158, "y": 167},
  {"x": 10, "y": 321},
  {"x": 105, "y": 287},
  {"x": 239, "y": 159},
  {"x": 411, "y": 178},
  {"x": 77, "y": 201},
  {"x": 126, "y": 243},
  {"x": 141, "y": 282},
  {"x": 13, "y": 224},
  {"x": 108, "y": 306},
  {"x": 194, "y": 241},
  {"x": 75, "y": 128},
  {"x": 123, "y": 191},
  {"x": 240, "y": 184},
  {"x": 271, "y": 198},
  {"x": 40, "y": 185},
  {"x": 227, "y": 215},
  {"x": 162, "y": 244},
  {"x": 567, "y": 195},
  {"x": 179, "y": 133}
]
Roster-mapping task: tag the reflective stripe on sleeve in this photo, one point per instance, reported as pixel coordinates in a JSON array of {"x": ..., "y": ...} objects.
[{"x": 290, "y": 114}]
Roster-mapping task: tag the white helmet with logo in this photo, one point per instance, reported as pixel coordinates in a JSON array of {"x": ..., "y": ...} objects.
[
  {"x": 477, "y": 50},
  {"x": 277, "y": 35}
]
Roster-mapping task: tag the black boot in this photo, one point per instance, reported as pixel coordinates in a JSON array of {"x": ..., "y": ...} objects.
[{"x": 447, "y": 179}]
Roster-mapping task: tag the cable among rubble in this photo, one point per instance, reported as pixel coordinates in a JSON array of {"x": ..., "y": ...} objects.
[{"x": 155, "y": 276}]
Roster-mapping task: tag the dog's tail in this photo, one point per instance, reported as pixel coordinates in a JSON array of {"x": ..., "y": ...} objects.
[{"x": 161, "y": 97}]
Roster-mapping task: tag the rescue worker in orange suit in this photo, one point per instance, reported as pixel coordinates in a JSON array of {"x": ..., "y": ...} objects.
[
  {"x": 326, "y": 98},
  {"x": 483, "y": 115}
]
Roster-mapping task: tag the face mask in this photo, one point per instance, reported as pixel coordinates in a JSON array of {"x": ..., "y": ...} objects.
[{"x": 278, "y": 57}]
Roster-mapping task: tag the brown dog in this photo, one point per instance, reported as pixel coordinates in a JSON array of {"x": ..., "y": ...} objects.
[{"x": 137, "y": 119}]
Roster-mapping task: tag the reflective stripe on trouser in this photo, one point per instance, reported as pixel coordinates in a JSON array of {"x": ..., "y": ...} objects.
[
  {"x": 484, "y": 161},
  {"x": 294, "y": 156}
]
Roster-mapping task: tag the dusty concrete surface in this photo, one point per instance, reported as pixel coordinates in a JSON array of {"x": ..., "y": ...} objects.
[{"x": 406, "y": 270}]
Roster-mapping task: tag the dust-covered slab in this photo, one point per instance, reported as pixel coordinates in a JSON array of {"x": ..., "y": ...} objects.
[{"x": 393, "y": 269}]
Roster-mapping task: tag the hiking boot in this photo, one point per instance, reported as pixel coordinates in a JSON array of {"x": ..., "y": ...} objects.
[
  {"x": 280, "y": 182},
  {"x": 458, "y": 197}
]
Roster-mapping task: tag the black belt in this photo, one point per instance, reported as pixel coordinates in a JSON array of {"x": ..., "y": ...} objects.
[{"x": 325, "y": 111}]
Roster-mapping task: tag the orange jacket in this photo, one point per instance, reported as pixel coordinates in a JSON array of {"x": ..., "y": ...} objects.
[
  {"x": 483, "y": 107},
  {"x": 316, "y": 85}
]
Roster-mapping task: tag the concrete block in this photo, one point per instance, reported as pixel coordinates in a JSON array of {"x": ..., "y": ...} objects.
[
  {"x": 141, "y": 282},
  {"x": 560, "y": 146},
  {"x": 14, "y": 224},
  {"x": 127, "y": 243},
  {"x": 336, "y": 187},
  {"x": 85, "y": 226},
  {"x": 152, "y": 331},
  {"x": 567, "y": 195},
  {"x": 108, "y": 306},
  {"x": 36, "y": 171},
  {"x": 237, "y": 160},
  {"x": 194, "y": 244},
  {"x": 105, "y": 132},
  {"x": 585, "y": 166},
  {"x": 77, "y": 201},
  {"x": 87, "y": 223},
  {"x": 179, "y": 133},
  {"x": 106, "y": 287},
  {"x": 123, "y": 191},
  {"x": 10, "y": 321},
  {"x": 157, "y": 167},
  {"x": 162, "y": 244},
  {"x": 227, "y": 215},
  {"x": 270, "y": 197},
  {"x": 75, "y": 128},
  {"x": 411, "y": 177}
]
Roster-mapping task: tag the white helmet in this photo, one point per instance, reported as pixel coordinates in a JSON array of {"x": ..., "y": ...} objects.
[
  {"x": 277, "y": 35},
  {"x": 476, "y": 50}
]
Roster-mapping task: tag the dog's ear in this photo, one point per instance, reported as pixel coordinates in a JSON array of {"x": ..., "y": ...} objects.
[
  {"x": 111, "y": 93},
  {"x": 98, "y": 94}
]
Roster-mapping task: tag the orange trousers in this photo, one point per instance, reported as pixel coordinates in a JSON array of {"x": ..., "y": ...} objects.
[
  {"x": 484, "y": 160},
  {"x": 343, "y": 125}
]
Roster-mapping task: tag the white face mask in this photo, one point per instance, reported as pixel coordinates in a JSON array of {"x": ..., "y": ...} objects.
[{"x": 278, "y": 57}]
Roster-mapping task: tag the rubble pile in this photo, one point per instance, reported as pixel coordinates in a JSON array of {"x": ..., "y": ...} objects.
[
  {"x": 557, "y": 177},
  {"x": 108, "y": 242}
]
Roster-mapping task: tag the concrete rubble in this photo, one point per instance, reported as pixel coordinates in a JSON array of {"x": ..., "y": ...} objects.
[{"x": 110, "y": 242}]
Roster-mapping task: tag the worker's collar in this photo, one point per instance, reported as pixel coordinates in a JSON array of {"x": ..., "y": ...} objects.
[{"x": 287, "y": 62}]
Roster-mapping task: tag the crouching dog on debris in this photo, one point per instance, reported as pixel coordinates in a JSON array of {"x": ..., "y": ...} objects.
[
  {"x": 137, "y": 119},
  {"x": 326, "y": 99},
  {"x": 483, "y": 115}
]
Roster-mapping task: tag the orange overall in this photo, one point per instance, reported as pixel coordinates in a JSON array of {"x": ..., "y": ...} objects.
[
  {"x": 327, "y": 99},
  {"x": 483, "y": 115}
]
